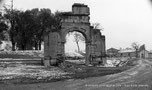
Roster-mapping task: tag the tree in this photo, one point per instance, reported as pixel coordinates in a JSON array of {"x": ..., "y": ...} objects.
[
  {"x": 57, "y": 19},
  {"x": 97, "y": 26},
  {"x": 22, "y": 28},
  {"x": 13, "y": 17},
  {"x": 25, "y": 25},
  {"x": 35, "y": 28},
  {"x": 77, "y": 38},
  {"x": 44, "y": 19},
  {"x": 27, "y": 28},
  {"x": 136, "y": 46},
  {"x": 3, "y": 27}
]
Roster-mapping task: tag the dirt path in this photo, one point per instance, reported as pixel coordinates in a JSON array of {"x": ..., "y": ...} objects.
[{"x": 137, "y": 78}]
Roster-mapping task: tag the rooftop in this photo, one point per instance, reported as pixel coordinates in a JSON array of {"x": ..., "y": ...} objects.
[{"x": 126, "y": 51}]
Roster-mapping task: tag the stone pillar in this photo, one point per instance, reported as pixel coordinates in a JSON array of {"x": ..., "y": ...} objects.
[
  {"x": 88, "y": 53},
  {"x": 50, "y": 48},
  {"x": 46, "y": 59}
]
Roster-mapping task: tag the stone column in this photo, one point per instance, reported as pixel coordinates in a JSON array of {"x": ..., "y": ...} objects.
[
  {"x": 46, "y": 59},
  {"x": 51, "y": 48},
  {"x": 88, "y": 53}
]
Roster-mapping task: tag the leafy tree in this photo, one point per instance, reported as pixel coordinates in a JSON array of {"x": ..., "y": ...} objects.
[
  {"x": 27, "y": 28},
  {"x": 36, "y": 28},
  {"x": 57, "y": 19},
  {"x": 25, "y": 32},
  {"x": 3, "y": 28},
  {"x": 13, "y": 17},
  {"x": 43, "y": 21}
]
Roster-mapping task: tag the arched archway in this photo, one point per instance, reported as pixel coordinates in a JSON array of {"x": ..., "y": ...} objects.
[
  {"x": 84, "y": 32},
  {"x": 77, "y": 20}
]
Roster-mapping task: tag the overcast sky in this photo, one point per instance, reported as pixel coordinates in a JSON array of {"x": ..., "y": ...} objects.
[{"x": 124, "y": 21}]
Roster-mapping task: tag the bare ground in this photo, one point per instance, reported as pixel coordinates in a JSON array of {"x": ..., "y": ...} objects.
[
  {"x": 136, "y": 78},
  {"x": 23, "y": 74},
  {"x": 73, "y": 76}
]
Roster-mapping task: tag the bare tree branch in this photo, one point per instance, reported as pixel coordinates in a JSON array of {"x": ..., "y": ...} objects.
[
  {"x": 77, "y": 38},
  {"x": 136, "y": 46},
  {"x": 97, "y": 26}
]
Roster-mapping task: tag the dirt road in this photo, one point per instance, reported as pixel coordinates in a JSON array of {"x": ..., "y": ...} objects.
[{"x": 136, "y": 78}]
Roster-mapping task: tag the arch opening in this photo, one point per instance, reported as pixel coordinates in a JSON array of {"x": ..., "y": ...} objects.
[{"x": 75, "y": 46}]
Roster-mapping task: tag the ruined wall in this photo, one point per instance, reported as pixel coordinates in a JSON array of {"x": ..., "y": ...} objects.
[
  {"x": 80, "y": 9},
  {"x": 98, "y": 45},
  {"x": 77, "y": 20}
]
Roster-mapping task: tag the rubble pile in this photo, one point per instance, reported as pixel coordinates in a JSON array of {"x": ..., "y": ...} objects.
[{"x": 117, "y": 62}]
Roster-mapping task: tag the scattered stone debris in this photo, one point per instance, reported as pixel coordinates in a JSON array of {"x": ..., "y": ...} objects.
[{"x": 117, "y": 62}]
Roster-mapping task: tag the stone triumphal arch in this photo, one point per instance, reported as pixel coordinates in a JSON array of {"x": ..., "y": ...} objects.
[{"x": 77, "y": 20}]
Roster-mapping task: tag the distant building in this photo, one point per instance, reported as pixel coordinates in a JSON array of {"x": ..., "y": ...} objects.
[
  {"x": 128, "y": 52},
  {"x": 112, "y": 52},
  {"x": 142, "y": 53}
]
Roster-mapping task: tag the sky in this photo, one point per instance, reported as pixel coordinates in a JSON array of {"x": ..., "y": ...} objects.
[{"x": 124, "y": 21}]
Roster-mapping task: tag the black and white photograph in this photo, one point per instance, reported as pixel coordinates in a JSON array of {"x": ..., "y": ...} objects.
[{"x": 75, "y": 45}]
